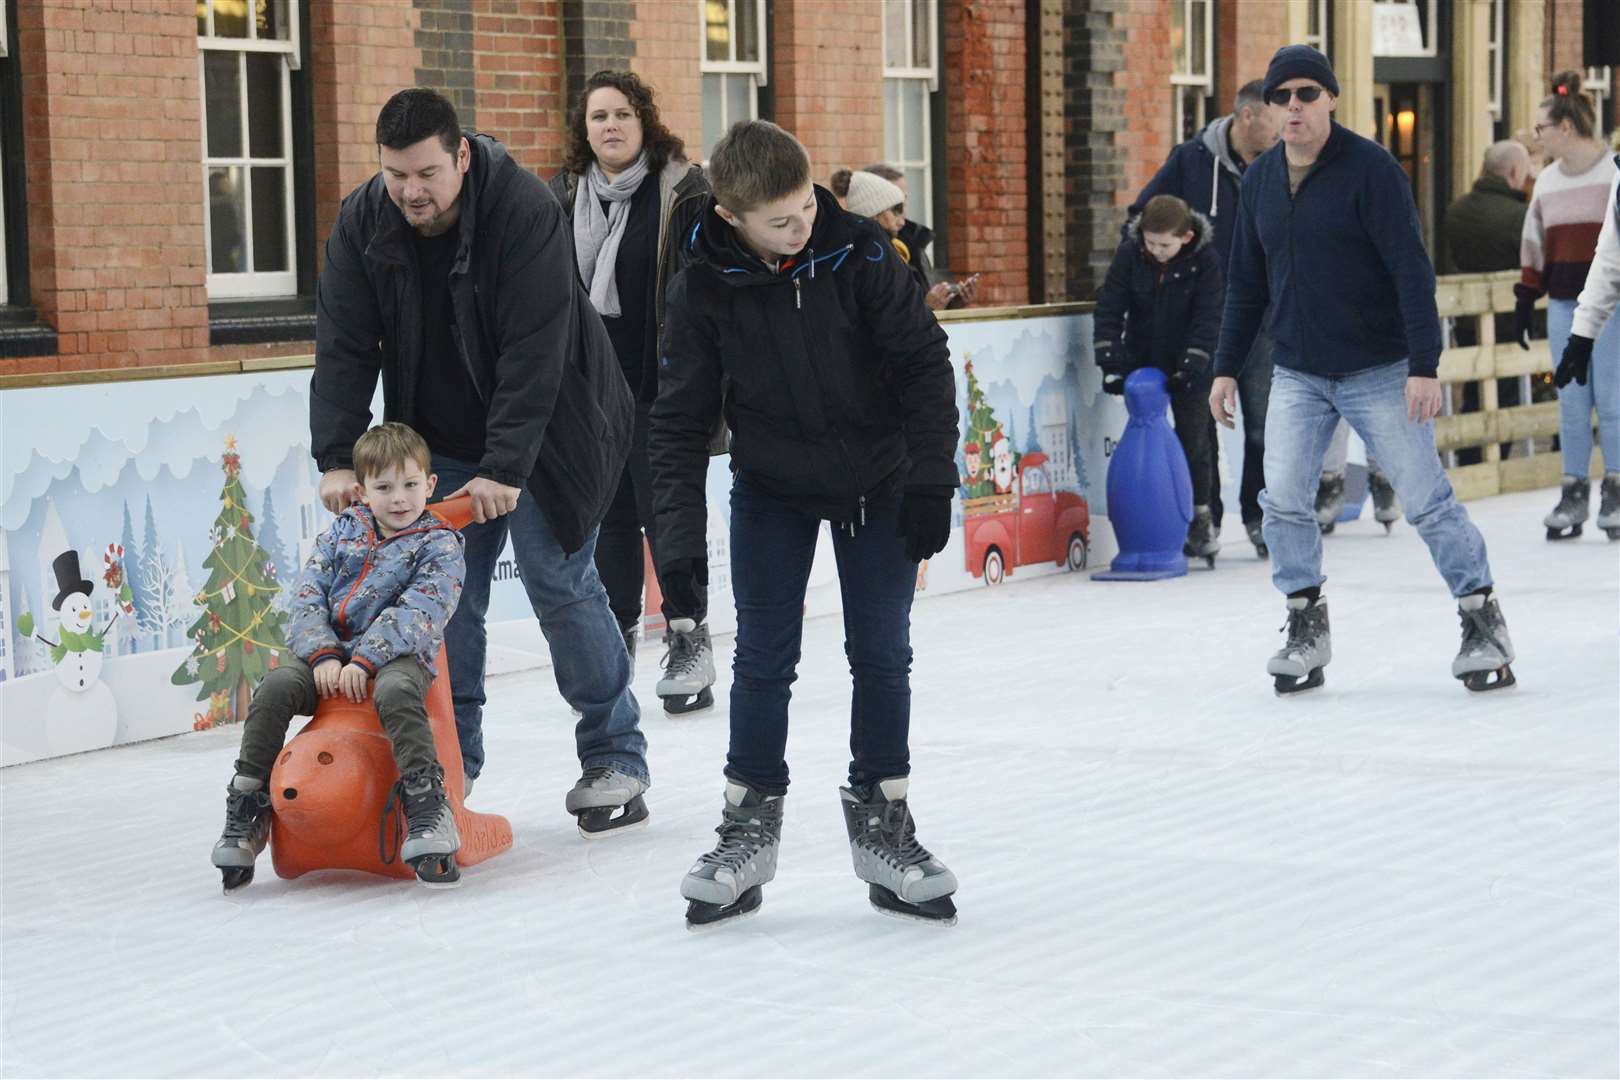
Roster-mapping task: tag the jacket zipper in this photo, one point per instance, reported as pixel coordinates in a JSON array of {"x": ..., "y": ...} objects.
[
  {"x": 843, "y": 447},
  {"x": 372, "y": 544}
]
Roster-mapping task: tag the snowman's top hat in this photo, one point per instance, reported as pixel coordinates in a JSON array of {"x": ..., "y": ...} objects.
[{"x": 68, "y": 578}]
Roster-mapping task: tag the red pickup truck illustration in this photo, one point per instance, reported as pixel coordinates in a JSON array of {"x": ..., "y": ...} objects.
[{"x": 1030, "y": 524}]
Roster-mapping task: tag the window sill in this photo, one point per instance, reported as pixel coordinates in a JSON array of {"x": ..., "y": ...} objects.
[
  {"x": 261, "y": 322},
  {"x": 22, "y": 333}
]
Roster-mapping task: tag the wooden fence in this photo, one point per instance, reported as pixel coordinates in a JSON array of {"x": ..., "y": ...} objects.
[{"x": 1476, "y": 299}]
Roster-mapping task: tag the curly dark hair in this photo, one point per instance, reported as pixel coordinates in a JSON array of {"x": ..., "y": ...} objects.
[{"x": 660, "y": 145}]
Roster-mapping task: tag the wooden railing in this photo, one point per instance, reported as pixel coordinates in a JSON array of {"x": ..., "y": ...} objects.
[{"x": 1477, "y": 299}]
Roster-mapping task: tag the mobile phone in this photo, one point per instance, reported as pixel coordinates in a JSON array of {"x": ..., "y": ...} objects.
[{"x": 958, "y": 286}]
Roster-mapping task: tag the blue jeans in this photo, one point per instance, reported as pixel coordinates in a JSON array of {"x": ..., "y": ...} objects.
[
  {"x": 1575, "y": 401},
  {"x": 772, "y": 545},
  {"x": 1303, "y": 412},
  {"x": 587, "y": 649}
]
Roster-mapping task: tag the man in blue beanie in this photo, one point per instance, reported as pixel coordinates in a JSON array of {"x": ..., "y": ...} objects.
[{"x": 1328, "y": 251}]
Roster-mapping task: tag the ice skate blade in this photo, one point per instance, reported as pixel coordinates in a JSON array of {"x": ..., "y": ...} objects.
[
  {"x": 1289, "y": 685},
  {"x": 437, "y": 871},
  {"x": 940, "y": 911},
  {"x": 681, "y": 704},
  {"x": 1612, "y": 532},
  {"x": 236, "y": 878},
  {"x": 701, "y": 916},
  {"x": 1328, "y": 528},
  {"x": 1571, "y": 533},
  {"x": 1482, "y": 682},
  {"x": 599, "y": 822}
]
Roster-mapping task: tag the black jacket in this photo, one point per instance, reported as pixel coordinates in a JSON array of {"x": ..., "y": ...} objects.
[
  {"x": 680, "y": 201},
  {"x": 558, "y": 411},
  {"x": 833, "y": 375},
  {"x": 1483, "y": 227},
  {"x": 1162, "y": 311}
]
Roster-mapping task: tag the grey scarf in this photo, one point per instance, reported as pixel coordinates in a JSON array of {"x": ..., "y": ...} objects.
[{"x": 597, "y": 235}]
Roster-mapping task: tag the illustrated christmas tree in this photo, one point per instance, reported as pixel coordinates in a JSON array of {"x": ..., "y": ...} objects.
[
  {"x": 238, "y": 636},
  {"x": 981, "y": 426}
]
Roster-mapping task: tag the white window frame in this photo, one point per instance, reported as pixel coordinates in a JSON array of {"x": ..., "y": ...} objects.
[
  {"x": 1494, "y": 52},
  {"x": 1599, "y": 82},
  {"x": 732, "y": 66},
  {"x": 1322, "y": 38},
  {"x": 251, "y": 283},
  {"x": 5, "y": 282},
  {"x": 1181, "y": 68},
  {"x": 911, "y": 71}
]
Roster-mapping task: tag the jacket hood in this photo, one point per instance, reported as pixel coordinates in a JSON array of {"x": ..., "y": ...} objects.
[
  {"x": 1203, "y": 236},
  {"x": 835, "y": 235},
  {"x": 1216, "y": 139}
]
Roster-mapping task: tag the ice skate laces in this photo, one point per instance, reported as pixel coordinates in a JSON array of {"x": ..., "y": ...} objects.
[
  {"x": 1479, "y": 629},
  {"x": 410, "y": 812},
  {"x": 1299, "y": 626},
  {"x": 896, "y": 836},
  {"x": 743, "y": 831},
  {"x": 242, "y": 812},
  {"x": 680, "y": 655}
]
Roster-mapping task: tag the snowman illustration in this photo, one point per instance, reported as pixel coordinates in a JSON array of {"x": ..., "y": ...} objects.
[{"x": 83, "y": 714}]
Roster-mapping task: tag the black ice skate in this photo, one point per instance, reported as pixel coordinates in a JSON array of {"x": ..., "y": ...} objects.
[
  {"x": 1258, "y": 539},
  {"x": 1386, "y": 510},
  {"x": 1201, "y": 542},
  {"x": 1329, "y": 501},
  {"x": 1608, "y": 518},
  {"x": 607, "y": 801},
  {"x": 903, "y": 878},
  {"x": 688, "y": 668},
  {"x": 425, "y": 834},
  {"x": 1298, "y": 665},
  {"x": 1485, "y": 659},
  {"x": 247, "y": 831},
  {"x": 1574, "y": 500},
  {"x": 727, "y": 883}
]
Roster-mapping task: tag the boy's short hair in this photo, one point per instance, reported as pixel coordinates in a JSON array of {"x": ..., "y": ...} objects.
[
  {"x": 756, "y": 163},
  {"x": 1166, "y": 214},
  {"x": 388, "y": 444},
  {"x": 416, "y": 114}
]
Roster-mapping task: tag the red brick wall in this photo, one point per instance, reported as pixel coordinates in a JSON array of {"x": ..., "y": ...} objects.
[
  {"x": 1563, "y": 37},
  {"x": 1243, "y": 48},
  {"x": 112, "y": 124},
  {"x": 665, "y": 36},
  {"x": 829, "y": 80},
  {"x": 363, "y": 52},
  {"x": 518, "y": 77},
  {"x": 986, "y": 145},
  {"x": 1145, "y": 78}
]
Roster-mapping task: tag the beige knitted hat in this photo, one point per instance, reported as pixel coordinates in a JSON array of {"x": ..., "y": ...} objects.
[{"x": 870, "y": 194}]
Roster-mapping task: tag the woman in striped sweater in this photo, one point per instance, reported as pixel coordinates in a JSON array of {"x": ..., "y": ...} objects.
[{"x": 1560, "y": 238}]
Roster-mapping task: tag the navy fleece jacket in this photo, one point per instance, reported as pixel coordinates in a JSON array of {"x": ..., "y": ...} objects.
[{"x": 1338, "y": 269}]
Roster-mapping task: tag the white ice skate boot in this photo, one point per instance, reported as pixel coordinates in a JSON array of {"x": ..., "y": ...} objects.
[
  {"x": 688, "y": 668},
  {"x": 1298, "y": 665},
  {"x": 905, "y": 879},
  {"x": 1483, "y": 661},
  {"x": 606, "y": 801},
  {"x": 726, "y": 882}
]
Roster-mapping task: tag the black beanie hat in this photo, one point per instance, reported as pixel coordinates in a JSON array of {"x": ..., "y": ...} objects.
[{"x": 1300, "y": 62}]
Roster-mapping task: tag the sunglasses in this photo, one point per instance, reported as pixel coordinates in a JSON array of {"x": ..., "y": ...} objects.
[{"x": 1306, "y": 95}]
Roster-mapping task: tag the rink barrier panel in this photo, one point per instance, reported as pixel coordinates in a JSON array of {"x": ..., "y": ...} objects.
[{"x": 1477, "y": 299}]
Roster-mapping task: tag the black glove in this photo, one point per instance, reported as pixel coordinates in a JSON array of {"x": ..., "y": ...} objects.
[
  {"x": 1192, "y": 367},
  {"x": 1524, "y": 314},
  {"x": 1113, "y": 371},
  {"x": 1576, "y": 364},
  {"x": 925, "y": 521},
  {"x": 685, "y": 584}
]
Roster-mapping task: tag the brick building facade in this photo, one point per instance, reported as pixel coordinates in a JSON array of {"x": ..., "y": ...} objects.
[{"x": 172, "y": 168}]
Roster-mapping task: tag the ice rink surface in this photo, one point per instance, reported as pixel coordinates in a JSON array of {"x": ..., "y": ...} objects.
[{"x": 1165, "y": 869}]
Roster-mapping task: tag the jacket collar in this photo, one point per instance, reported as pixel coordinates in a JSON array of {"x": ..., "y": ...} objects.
[
  {"x": 1491, "y": 184},
  {"x": 715, "y": 243}
]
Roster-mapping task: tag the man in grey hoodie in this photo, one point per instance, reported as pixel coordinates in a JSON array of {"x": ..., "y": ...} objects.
[{"x": 1205, "y": 172}]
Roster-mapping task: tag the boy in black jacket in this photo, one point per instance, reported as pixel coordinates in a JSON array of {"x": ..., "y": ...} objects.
[
  {"x": 799, "y": 320},
  {"x": 1163, "y": 297}
]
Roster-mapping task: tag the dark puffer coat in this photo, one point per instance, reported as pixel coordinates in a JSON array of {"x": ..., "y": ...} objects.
[{"x": 1162, "y": 311}]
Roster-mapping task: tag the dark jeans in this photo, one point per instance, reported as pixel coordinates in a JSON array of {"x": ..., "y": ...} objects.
[
  {"x": 619, "y": 555},
  {"x": 772, "y": 545},
  {"x": 587, "y": 647},
  {"x": 1195, "y": 429},
  {"x": 399, "y": 691},
  {"x": 1254, "y": 391}
]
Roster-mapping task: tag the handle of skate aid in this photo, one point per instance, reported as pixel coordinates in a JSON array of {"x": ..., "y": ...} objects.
[{"x": 457, "y": 512}]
